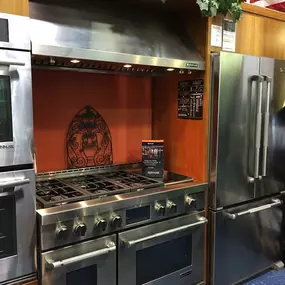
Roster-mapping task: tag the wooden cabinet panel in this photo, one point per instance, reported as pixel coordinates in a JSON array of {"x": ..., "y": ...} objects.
[
  {"x": 17, "y": 7},
  {"x": 259, "y": 35}
]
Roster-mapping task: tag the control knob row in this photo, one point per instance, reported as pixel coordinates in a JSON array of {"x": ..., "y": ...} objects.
[
  {"x": 171, "y": 207},
  {"x": 80, "y": 228}
]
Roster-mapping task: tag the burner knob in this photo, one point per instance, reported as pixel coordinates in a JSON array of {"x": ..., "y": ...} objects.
[
  {"x": 190, "y": 202},
  {"x": 171, "y": 207},
  {"x": 101, "y": 224},
  {"x": 61, "y": 232},
  {"x": 159, "y": 208},
  {"x": 79, "y": 229},
  {"x": 116, "y": 221}
]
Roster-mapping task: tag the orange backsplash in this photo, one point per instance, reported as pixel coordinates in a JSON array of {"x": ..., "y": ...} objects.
[{"x": 123, "y": 101}]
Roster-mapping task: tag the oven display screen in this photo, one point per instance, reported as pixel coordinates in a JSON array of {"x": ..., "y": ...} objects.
[
  {"x": 137, "y": 215},
  {"x": 4, "y": 33}
]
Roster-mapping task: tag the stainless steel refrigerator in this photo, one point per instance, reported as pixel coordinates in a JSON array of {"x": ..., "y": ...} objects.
[{"x": 246, "y": 166}]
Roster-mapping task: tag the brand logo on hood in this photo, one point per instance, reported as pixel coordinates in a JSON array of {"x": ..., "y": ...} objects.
[
  {"x": 6, "y": 146},
  {"x": 192, "y": 64}
]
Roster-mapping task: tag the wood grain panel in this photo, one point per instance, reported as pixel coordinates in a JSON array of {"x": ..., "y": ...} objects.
[
  {"x": 184, "y": 140},
  {"x": 258, "y": 35},
  {"x": 17, "y": 7}
]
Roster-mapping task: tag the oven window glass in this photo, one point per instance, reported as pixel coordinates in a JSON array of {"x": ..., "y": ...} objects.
[
  {"x": 86, "y": 275},
  {"x": 6, "y": 130},
  {"x": 162, "y": 259},
  {"x": 8, "y": 238}
]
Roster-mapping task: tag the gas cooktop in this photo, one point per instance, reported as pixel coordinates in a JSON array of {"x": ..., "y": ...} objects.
[{"x": 59, "y": 191}]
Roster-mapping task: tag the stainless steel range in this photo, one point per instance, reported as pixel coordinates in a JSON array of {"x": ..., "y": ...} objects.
[{"x": 104, "y": 227}]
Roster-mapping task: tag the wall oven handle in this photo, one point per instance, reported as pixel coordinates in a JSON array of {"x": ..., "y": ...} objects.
[
  {"x": 258, "y": 121},
  {"x": 14, "y": 183},
  {"x": 51, "y": 264},
  {"x": 275, "y": 203},
  {"x": 201, "y": 221},
  {"x": 11, "y": 62},
  {"x": 268, "y": 80}
]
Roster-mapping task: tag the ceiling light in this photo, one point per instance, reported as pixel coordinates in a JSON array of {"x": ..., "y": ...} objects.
[
  {"x": 127, "y": 66},
  {"x": 75, "y": 61},
  {"x": 170, "y": 69}
]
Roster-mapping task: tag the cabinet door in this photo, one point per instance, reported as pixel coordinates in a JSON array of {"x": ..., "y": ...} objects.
[{"x": 17, "y": 7}]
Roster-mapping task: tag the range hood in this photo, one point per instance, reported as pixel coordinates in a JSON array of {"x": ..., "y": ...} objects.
[{"x": 110, "y": 38}]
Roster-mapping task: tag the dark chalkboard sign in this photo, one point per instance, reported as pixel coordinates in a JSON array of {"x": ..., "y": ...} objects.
[{"x": 190, "y": 99}]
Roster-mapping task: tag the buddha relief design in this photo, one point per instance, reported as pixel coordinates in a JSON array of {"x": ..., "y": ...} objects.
[{"x": 89, "y": 141}]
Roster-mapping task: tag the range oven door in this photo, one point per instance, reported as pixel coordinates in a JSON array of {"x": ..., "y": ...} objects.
[
  {"x": 89, "y": 263},
  {"x": 169, "y": 252},
  {"x": 16, "y": 120},
  {"x": 17, "y": 224}
]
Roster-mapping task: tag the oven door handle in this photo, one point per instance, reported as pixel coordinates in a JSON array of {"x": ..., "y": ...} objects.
[
  {"x": 14, "y": 182},
  {"x": 11, "y": 62},
  {"x": 51, "y": 264},
  {"x": 201, "y": 221}
]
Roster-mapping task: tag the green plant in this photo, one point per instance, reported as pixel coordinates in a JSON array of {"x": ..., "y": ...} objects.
[{"x": 210, "y": 8}]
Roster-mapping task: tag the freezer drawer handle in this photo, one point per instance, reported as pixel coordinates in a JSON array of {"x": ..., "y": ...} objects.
[
  {"x": 14, "y": 183},
  {"x": 276, "y": 202},
  {"x": 266, "y": 125},
  {"x": 202, "y": 220},
  {"x": 51, "y": 264},
  {"x": 11, "y": 62}
]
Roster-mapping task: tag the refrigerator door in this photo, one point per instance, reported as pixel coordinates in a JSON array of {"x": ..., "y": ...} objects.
[
  {"x": 272, "y": 159},
  {"x": 235, "y": 129},
  {"x": 245, "y": 240}
]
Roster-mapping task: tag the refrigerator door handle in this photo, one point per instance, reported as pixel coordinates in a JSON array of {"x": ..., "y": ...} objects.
[
  {"x": 258, "y": 120},
  {"x": 275, "y": 203},
  {"x": 268, "y": 80}
]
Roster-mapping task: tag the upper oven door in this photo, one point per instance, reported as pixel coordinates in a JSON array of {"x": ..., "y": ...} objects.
[
  {"x": 89, "y": 263},
  {"x": 16, "y": 119},
  {"x": 169, "y": 252},
  {"x": 14, "y": 32}
]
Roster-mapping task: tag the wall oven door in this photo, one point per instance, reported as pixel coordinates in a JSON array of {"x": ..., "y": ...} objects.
[
  {"x": 17, "y": 224},
  {"x": 89, "y": 263},
  {"x": 169, "y": 252},
  {"x": 16, "y": 123}
]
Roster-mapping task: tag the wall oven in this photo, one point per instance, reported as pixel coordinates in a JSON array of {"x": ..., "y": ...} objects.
[
  {"x": 17, "y": 176},
  {"x": 16, "y": 124},
  {"x": 169, "y": 252},
  {"x": 89, "y": 263}
]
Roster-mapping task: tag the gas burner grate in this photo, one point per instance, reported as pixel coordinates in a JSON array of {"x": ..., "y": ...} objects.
[
  {"x": 96, "y": 186},
  {"x": 132, "y": 180},
  {"x": 54, "y": 192}
]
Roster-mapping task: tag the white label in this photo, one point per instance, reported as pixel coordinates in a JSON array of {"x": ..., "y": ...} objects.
[
  {"x": 216, "y": 36},
  {"x": 229, "y": 36}
]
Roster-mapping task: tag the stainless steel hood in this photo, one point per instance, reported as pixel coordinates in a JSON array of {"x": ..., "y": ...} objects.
[{"x": 109, "y": 35}]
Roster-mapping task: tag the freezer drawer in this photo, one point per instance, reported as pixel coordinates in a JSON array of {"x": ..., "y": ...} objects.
[{"x": 244, "y": 240}]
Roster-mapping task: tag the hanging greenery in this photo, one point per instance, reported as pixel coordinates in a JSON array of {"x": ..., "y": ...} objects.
[{"x": 210, "y": 8}]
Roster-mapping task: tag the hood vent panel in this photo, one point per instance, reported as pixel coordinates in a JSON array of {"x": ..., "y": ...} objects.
[{"x": 116, "y": 35}]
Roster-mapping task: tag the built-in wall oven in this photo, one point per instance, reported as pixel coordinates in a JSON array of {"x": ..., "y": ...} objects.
[
  {"x": 169, "y": 252},
  {"x": 17, "y": 176}
]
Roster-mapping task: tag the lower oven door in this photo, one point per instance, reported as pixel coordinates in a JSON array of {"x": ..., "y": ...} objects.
[
  {"x": 17, "y": 224},
  {"x": 165, "y": 253},
  {"x": 88, "y": 263}
]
